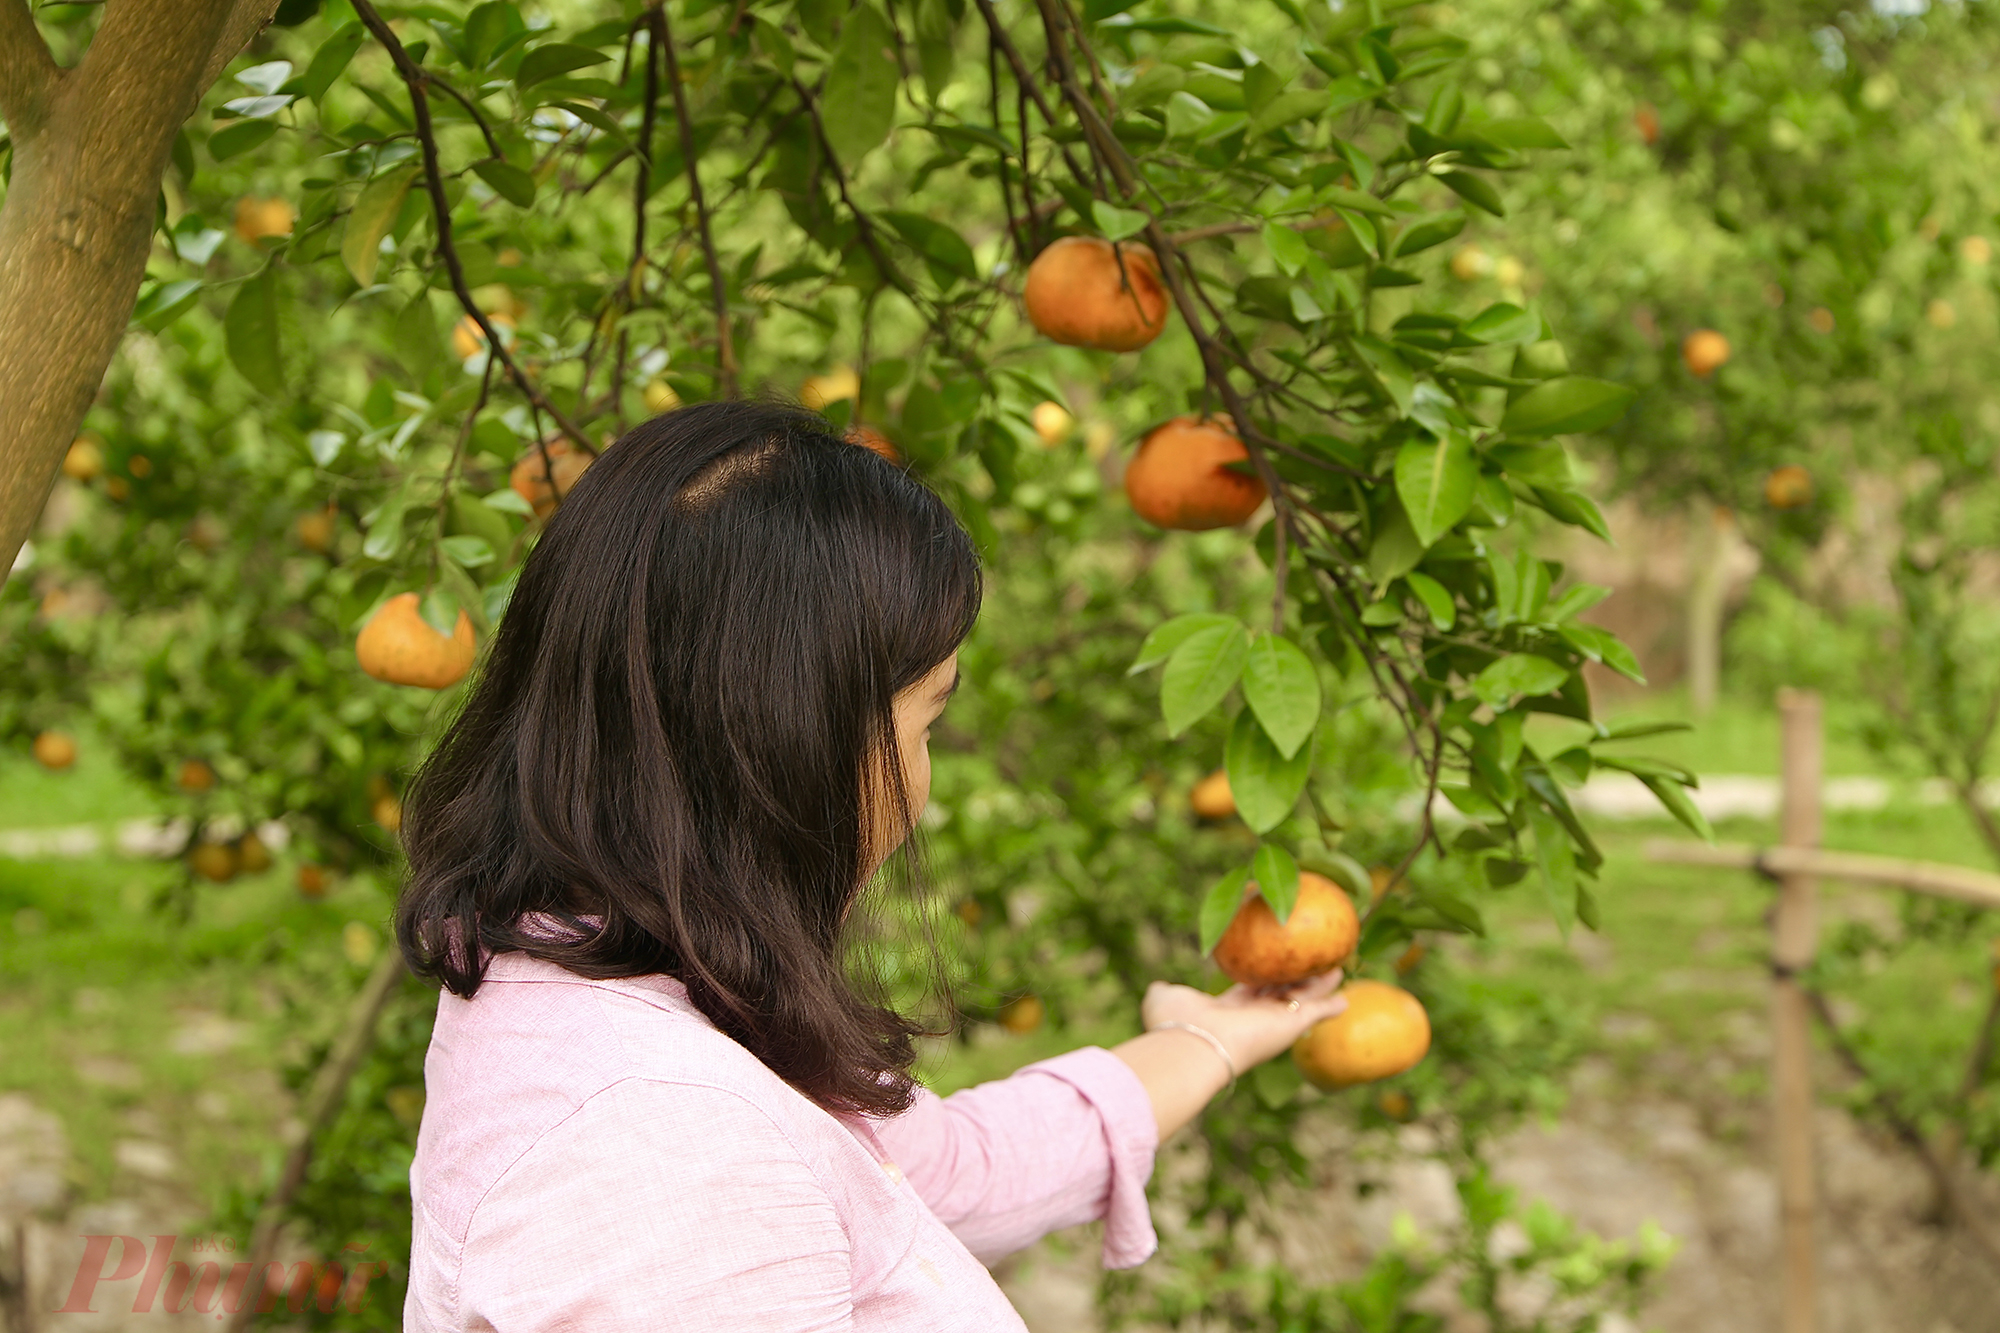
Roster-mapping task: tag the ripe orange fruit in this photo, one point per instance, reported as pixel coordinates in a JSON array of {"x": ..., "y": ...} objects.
[
  {"x": 1821, "y": 319},
  {"x": 399, "y": 647},
  {"x": 1704, "y": 351},
  {"x": 1076, "y": 294},
  {"x": 1177, "y": 479},
  {"x": 139, "y": 466},
  {"x": 1940, "y": 314},
  {"x": 1648, "y": 121},
  {"x": 530, "y": 477},
  {"x": 195, "y": 776},
  {"x": 1788, "y": 487},
  {"x": 314, "y": 530},
  {"x": 251, "y": 856},
  {"x": 875, "y": 442},
  {"x": 214, "y": 861},
  {"x": 1383, "y": 1031},
  {"x": 1211, "y": 798},
  {"x": 258, "y": 218},
  {"x": 1395, "y": 1104},
  {"x": 1052, "y": 422},
  {"x": 84, "y": 461},
  {"x": 55, "y": 750},
  {"x": 1975, "y": 250},
  {"x": 1470, "y": 262},
  {"x": 313, "y": 881},
  {"x": 969, "y": 911},
  {"x": 1321, "y": 930},
  {"x": 1023, "y": 1015},
  {"x": 388, "y": 812},
  {"x": 1410, "y": 958}
]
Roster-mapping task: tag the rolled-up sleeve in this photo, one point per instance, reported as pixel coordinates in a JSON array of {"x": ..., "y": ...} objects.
[{"x": 1057, "y": 1143}]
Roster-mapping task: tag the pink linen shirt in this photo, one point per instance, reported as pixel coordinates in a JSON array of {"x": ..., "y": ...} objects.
[{"x": 597, "y": 1155}]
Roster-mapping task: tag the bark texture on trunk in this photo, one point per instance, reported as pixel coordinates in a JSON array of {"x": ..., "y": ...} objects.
[{"x": 90, "y": 146}]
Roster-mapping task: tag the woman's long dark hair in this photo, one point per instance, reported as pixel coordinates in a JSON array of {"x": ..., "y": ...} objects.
[{"x": 674, "y": 731}]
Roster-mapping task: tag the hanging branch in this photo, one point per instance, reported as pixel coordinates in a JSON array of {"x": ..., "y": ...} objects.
[
  {"x": 661, "y": 36},
  {"x": 415, "y": 80},
  {"x": 1905, "y": 1128},
  {"x": 322, "y": 1104},
  {"x": 865, "y": 226}
]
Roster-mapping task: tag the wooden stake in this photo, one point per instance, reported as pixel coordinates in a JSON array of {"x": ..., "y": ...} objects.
[{"x": 1793, "y": 939}]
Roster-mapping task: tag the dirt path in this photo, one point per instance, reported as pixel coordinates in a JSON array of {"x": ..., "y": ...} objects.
[{"x": 1614, "y": 1164}]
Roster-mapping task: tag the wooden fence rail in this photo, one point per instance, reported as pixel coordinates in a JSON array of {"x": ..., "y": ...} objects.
[{"x": 1797, "y": 864}]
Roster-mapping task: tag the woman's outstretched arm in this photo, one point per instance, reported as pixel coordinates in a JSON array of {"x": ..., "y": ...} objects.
[{"x": 1182, "y": 1070}]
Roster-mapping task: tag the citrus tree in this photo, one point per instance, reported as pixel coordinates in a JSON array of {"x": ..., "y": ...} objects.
[
  {"x": 417, "y": 265},
  {"x": 1778, "y": 231}
]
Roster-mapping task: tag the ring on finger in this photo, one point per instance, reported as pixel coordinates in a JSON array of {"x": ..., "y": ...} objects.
[{"x": 1293, "y": 1006}]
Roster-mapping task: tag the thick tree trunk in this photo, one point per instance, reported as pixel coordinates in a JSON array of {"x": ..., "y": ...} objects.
[{"x": 90, "y": 146}]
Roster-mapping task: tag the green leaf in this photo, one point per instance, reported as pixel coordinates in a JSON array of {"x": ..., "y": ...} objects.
[
  {"x": 385, "y": 534},
  {"x": 1282, "y": 688},
  {"x": 439, "y": 608},
  {"x": 508, "y": 501},
  {"x": 239, "y": 136},
  {"x": 546, "y": 62},
  {"x": 1518, "y": 674},
  {"x": 1200, "y": 672},
  {"x": 250, "y": 328},
  {"x": 166, "y": 302},
  {"x": 1436, "y": 598},
  {"x": 1265, "y": 784},
  {"x": 469, "y": 551},
  {"x": 511, "y": 183},
  {"x": 1117, "y": 223},
  {"x": 1434, "y": 480},
  {"x": 1603, "y": 646},
  {"x": 1431, "y": 232},
  {"x": 1577, "y": 599},
  {"x": 936, "y": 242},
  {"x": 1503, "y": 323},
  {"x": 1277, "y": 876},
  {"x": 1219, "y": 905},
  {"x": 1395, "y": 551},
  {"x": 1160, "y": 644},
  {"x": 1573, "y": 508},
  {"x": 1567, "y": 406},
  {"x": 374, "y": 212},
  {"x": 1555, "y": 857},
  {"x": 1339, "y": 867},
  {"x": 1518, "y": 132},
  {"x": 331, "y": 59},
  {"x": 1288, "y": 248},
  {"x": 859, "y": 104},
  {"x": 1475, "y": 190},
  {"x": 1674, "y": 797}
]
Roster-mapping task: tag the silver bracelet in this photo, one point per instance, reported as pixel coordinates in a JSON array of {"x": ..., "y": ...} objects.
[{"x": 1206, "y": 1036}]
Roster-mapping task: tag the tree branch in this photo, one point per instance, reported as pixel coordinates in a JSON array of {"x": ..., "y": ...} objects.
[
  {"x": 414, "y": 79},
  {"x": 28, "y": 72},
  {"x": 662, "y": 36},
  {"x": 1954, "y": 1200}
]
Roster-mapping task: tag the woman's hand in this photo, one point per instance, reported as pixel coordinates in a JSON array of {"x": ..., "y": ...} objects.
[
  {"x": 1252, "y": 1025},
  {"x": 1181, "y": 1071}
]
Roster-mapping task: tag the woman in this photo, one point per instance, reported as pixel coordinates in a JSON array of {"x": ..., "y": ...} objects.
[{"x": 656, "y": 1098}]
